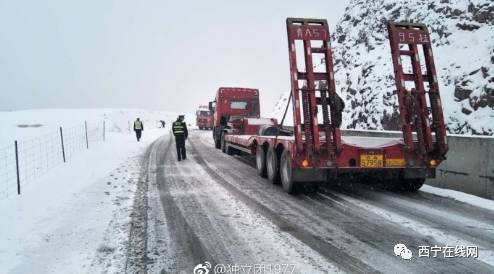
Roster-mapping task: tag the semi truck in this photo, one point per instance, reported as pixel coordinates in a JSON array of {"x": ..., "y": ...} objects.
[
  {"x": 235, "y": 108},
  {"x": 314, "y": 150},
  {"x": 204, "y": 118}
]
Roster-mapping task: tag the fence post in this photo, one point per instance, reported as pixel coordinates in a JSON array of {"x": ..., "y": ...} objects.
[
  {"x": 87, "y": 141},
  {"x": 63, "y": 148},
  {"x": 103, "y": 130},
  {"x": 17, "y": 168},
  {"x": 128, "y": 122}
]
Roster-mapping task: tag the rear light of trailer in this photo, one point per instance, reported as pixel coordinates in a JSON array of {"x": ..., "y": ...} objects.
[{"x": 433, "y": 162}]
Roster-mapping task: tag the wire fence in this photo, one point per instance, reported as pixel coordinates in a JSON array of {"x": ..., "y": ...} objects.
[{"x": 24, "y": 161}]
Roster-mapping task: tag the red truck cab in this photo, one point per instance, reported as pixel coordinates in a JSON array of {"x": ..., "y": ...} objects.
[
  {"x": 204, "y": 118},
  {"x": 232, "y": 106}
]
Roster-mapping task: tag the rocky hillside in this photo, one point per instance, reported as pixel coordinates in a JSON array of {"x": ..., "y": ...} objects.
[{"x": 462, "y": 33}]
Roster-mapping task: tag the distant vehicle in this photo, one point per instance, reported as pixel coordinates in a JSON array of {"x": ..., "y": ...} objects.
[
  {"x": 313, "y": 150},
  {"x": 204, "y": 118}
]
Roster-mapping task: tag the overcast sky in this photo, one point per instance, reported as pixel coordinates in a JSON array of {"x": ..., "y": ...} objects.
[{"x": 167, "y": 55}]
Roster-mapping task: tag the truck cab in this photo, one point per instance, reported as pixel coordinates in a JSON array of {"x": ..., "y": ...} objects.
[
  {"x": 204, "y": 118},
  {"x": 231, "y": 107}
]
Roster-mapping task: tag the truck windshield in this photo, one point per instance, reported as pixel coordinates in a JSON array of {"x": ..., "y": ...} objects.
[
  {"x": 205, "y": 113},
  {"x": 252, "y": 106},
  {"x": 238, "y": 105}
]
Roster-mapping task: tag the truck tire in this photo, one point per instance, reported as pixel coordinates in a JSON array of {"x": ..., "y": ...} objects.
[
  {"x": 217, "y": 141},
  {"x": 412, "y": 185},
  {"x": 223, "y": 144},
  {"x": 261, "y": 161},
  {"x": 286, "y": 172},
  {"x": 272, "y": 166}
]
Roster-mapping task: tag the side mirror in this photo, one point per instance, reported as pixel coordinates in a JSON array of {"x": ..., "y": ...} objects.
[{"x": 212, "y": 105}]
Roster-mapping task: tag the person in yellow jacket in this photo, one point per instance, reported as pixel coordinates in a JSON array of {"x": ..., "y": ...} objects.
[
  {"x": 180, "y": 132},
  {"x": 138, "y": 128}
]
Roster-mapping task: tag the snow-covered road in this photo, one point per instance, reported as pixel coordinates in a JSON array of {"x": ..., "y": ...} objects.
[
  {"x": 213, "y": 207},
  {"x": 152, "y": 214}
]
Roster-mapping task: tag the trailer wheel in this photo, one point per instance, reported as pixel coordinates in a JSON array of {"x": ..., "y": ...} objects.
[
  {"x": 412, "y": 185},
  {"x": 286, "y": 172},
  {"x": 273, "y": 166},
  {"x": 261, "y": 161}
]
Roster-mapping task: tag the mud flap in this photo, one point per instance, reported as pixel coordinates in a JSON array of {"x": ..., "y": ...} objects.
[
  {"x": 417, "y": 173},
  {"x": 309, "y": 175}
]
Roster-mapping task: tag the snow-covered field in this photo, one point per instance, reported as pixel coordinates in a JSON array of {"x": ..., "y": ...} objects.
[
  {"x": 75, "y": 215},
  {"x": 39, "y": 140},
  {"x": 27, "y": 124}
]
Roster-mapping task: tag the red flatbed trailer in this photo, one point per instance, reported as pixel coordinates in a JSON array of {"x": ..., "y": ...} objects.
[{"x": 317, "y": 151}]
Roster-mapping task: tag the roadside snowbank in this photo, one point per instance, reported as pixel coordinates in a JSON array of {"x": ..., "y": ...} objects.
[
  {"x": 75, "y": 218},
  {"x": 460, "y": 196}
]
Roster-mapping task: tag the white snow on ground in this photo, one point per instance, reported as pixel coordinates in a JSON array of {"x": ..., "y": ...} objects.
[
  {"x": 39, "y": 144},
  {"x": 75, "y": 217},
  {"x": 460, "y": 196}
]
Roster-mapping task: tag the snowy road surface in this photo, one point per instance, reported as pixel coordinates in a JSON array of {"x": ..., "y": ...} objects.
[
  {"x": 214, "y": 208},
  {"x": 138, "y": 210}
]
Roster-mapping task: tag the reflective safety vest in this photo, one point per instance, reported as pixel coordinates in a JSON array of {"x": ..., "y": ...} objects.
[
  {"x": 138, "y": 125},
  {"x": 178, "y": 127}
]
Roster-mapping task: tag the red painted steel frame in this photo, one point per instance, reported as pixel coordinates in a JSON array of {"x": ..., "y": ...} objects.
[
  {"x": 414, "y": 35},
  {"x": 332, "y": 154},
  {"x": 308, "y": 143}
]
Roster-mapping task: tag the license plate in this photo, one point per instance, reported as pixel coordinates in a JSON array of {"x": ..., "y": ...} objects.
[{"x": 371, "y": 160}]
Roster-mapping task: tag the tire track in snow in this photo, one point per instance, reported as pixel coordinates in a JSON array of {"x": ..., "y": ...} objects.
[
  {"x": 476, "y": 228},
  {"x": 485, "y": 255},
  {"x": 187, "y": 249},
  {"x": 328, "y": 250},
  {"x": 229, "y": 231},
  {"x": 136, "y": 257}
]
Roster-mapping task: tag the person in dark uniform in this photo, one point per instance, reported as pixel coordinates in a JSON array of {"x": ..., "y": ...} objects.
[
  {"x": 138, "y": 128},
  {"x": 162, "y": 123},
  {"x": 339, "y": 105},
  {"x": 180, "y": 132}
]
